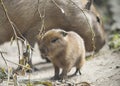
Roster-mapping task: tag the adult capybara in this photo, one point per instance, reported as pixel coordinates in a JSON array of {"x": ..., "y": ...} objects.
[
  {"x": 65, "y": 49},
  {"x": 57, "y": 14},
  {"x": 25, "y": 14}
]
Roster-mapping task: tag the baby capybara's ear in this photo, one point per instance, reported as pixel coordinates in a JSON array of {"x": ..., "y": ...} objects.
[
  {"x": 88, "y": 4},
  {"x": 63, "y": 33}
]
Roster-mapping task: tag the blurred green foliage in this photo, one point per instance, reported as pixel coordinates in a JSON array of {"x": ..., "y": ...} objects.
[
  {"x": 3, "y": 74},
  {"x": 114, "y": 42}
]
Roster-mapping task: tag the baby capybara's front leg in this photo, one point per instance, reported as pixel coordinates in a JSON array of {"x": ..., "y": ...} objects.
[
  {"x": 56, "y": 73},
  {"x": 63, "y": 75}
]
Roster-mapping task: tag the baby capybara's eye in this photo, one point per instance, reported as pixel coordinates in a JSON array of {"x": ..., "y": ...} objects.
[{"x": 54, "y": 40}]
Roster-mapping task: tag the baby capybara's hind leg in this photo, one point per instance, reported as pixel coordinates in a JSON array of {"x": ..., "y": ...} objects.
[{"x": 77, "y": 71}]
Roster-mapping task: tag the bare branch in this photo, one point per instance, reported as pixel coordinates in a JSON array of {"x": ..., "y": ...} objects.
[
  {"x": 42, "y": 17},
  {"x": 58, "y": 6},
  {"x": 3, "y": 58},
  {"x": 23, "y": 38},
  {"x": 17, "y": 64}
]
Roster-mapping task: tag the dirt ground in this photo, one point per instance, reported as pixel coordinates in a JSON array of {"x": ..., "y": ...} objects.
[{"x": 102, "y": 70}]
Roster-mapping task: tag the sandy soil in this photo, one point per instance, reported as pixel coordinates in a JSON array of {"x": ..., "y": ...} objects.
[{"x": 103, "y": 70}]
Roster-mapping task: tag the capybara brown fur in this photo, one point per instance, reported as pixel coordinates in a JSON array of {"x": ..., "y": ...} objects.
[
  {"x": 28, "y": 16},
  {"x": 65, "y": 49},
  {"x": 59, "y": 14}
]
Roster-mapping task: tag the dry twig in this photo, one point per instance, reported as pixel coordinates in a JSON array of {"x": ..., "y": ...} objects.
[
  {"x": 3, "y": 58},
  {"x": 42, "y": 17},
  {"x": 58, "y": 6},
  {"x": 18, "y": 64}
]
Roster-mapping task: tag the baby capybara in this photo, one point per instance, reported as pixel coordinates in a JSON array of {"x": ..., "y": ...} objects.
[{"x": 64, "y": 49}]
